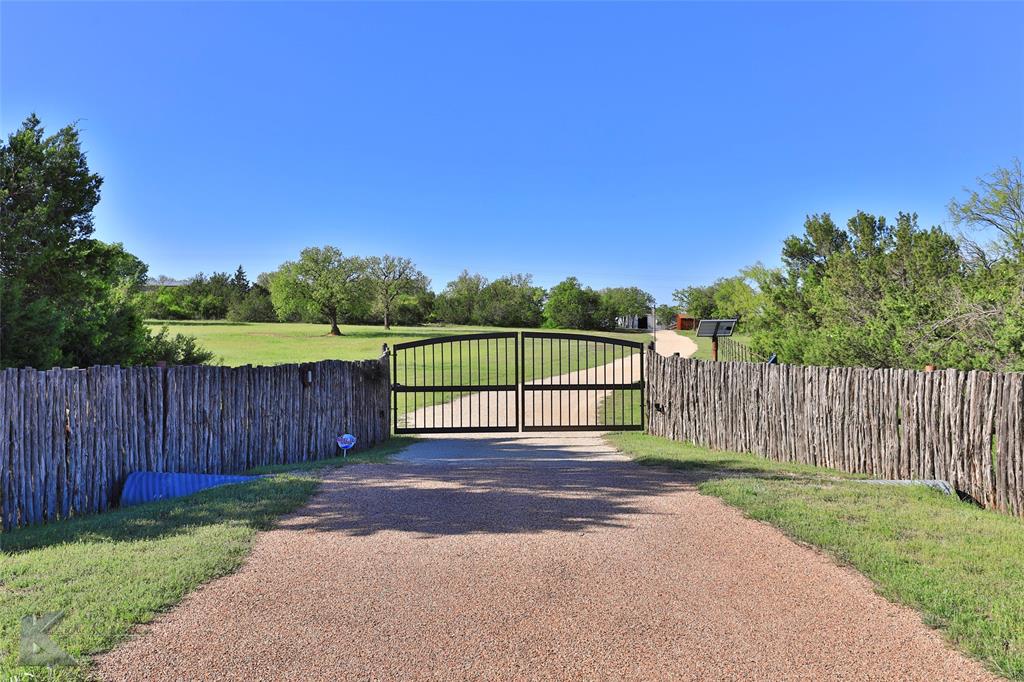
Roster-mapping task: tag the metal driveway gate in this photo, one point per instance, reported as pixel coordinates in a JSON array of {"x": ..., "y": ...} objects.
[
  {"x": 453, "y": 384},
  {"x": 512, "y": 381}
]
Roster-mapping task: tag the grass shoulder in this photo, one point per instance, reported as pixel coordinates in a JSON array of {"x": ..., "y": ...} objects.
[
  {"x": 704, "y": 343},
  {"x": 960, "y": 566},
  {"x": 110, "y": 571}
]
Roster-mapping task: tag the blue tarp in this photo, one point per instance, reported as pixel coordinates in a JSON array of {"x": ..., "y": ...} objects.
[{"x": 149, "y": 486}]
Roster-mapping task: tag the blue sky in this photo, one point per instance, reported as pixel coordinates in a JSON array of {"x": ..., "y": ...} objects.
[{"x": 661, "y": 144}]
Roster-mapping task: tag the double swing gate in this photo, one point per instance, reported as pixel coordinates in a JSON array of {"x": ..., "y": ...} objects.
[{"x": 518, "y": 381}]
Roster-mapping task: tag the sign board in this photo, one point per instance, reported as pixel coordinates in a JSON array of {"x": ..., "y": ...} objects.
[{"x": 715, "y": 328}]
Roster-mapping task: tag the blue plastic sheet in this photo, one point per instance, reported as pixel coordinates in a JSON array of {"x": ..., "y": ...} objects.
[{"x": 149, "y": 486}]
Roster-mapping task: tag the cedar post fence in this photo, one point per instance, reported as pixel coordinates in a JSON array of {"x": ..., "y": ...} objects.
[
  {"x": 70, "y": 437},
  {"x": 963, "y": 427}
]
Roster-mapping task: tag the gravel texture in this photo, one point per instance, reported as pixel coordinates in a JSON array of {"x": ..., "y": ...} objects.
[{"x": 548, "y": 557}]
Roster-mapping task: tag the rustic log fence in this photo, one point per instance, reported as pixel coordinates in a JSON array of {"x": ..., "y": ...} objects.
[
  {"x": 963, "y": 427},
  {"x": 69, "y": 437}
]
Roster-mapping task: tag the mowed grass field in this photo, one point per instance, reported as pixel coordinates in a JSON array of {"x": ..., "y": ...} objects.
[
  {"x": 276, "y": 343},
  {"x": 478, "y": 362}
]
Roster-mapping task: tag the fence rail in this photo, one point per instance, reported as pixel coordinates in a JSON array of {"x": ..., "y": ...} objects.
[
  {"x": 731, "y": 350},
  {"x": 963, "y": 427},
  {"x": 69, "y": 437}
]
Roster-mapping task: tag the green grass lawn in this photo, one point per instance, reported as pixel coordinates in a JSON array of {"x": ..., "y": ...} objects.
[
  {"x": 704, "y": 343},
  {"x": 621, "y": 407},
  {"x": 275, "y": 343},
  {"x": 110, "y": 571},
  {"x": 960, "y": 566}
]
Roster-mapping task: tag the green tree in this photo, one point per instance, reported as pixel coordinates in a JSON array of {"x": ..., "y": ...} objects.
[
  {"x": 875, "y": 294},
  {"x": 735, "y": 297},
  {"x": 627, "y": 301},
  {"x": 697, "y": 301},
  {"x": 65, "y": 298},
  {"x": 666, "y": 315},
  {"x": 323, "y": 284},
  {"x": 997, "y": 206},
  {"x": 390, "y": 277},
  {"x": 414, "y": 308},
  {"x": 254, "y": 306},
  {"x": 511, "y": 301},
  {"x": 572, "y": 306},
  {"x": 240, "y": 282},
  {"x": 457, "y": 303},
  {"x": 990, "y": 310}
]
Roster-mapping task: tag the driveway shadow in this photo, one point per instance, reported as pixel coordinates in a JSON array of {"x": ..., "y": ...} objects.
[{"x": 493, "y": 485}]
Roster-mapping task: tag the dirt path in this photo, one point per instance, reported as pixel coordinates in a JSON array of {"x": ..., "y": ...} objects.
[
  {"x": 667, "y": 343},
  {"x": 531, "y": 558}
]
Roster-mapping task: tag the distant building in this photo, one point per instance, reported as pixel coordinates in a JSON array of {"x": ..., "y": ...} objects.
[
  {"x": 686, "y": 323},
  {"x": 162, "y": 281},
  {"x": 636, "y": 322}
]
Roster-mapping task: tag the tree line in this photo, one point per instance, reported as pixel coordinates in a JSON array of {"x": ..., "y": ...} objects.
[
  {"x": 324, "y": 285},
  {"x": 68, "y": 299},
  {"x": 876, "y": 293}
]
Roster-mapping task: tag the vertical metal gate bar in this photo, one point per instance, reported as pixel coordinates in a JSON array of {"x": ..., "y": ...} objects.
[
  {"x": 462, "y": 408},
  {"x": 504, "y": 410},
  {"x": 579, "y": 380},
  {"x": 629, "y": 393},
  {"x": 559, "y": 381},
  {"x": 478, "y": 397},
  {"x": 394, "y": 394},
  {"x": 610, "y": 416},
  {"x": 520, "y": 380},
  {"x": 551, "y": 381},
  {"x": 487, "y": 364},
  {"x": 438, "y": 408},
  {"x": 643, "y": 390}
]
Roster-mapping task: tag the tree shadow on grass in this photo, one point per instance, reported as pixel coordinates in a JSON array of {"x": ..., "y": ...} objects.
[
  {"x": 257, "y": 504},
  {"x": 698, "y": 469}
]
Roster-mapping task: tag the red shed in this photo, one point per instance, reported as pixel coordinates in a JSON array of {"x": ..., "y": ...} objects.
[{"x": 685, "y": 323}]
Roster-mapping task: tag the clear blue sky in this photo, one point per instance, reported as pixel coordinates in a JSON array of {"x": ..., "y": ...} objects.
[{"x": 652, "y": 144}]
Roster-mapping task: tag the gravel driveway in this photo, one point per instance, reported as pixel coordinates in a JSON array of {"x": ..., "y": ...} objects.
[{"x": 549, "y": 557}]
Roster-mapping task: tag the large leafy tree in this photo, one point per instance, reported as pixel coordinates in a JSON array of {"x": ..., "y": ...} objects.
[
  {"x": 573, "y": 306},
  {"x": 666, "y": 315},
  {"x": 511, "y": 301},
  {"x": 726, "y": 297},
  {"x": 696, "y": 301},
  {"x": 65, "y": 298},
  {"x": 390, "y": 277},
  {"x": 457, "y": 303},
  {"x": 875, "y": 294},
  {"x": 323, "y": 284},
  {"x": 627, "y": 301},
  {"x": 990, "y": 308}
]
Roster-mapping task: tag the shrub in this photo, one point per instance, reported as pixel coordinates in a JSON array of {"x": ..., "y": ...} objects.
[
  {"x": 255, "y": 306},
  {"x": 179, "y": 349}
]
